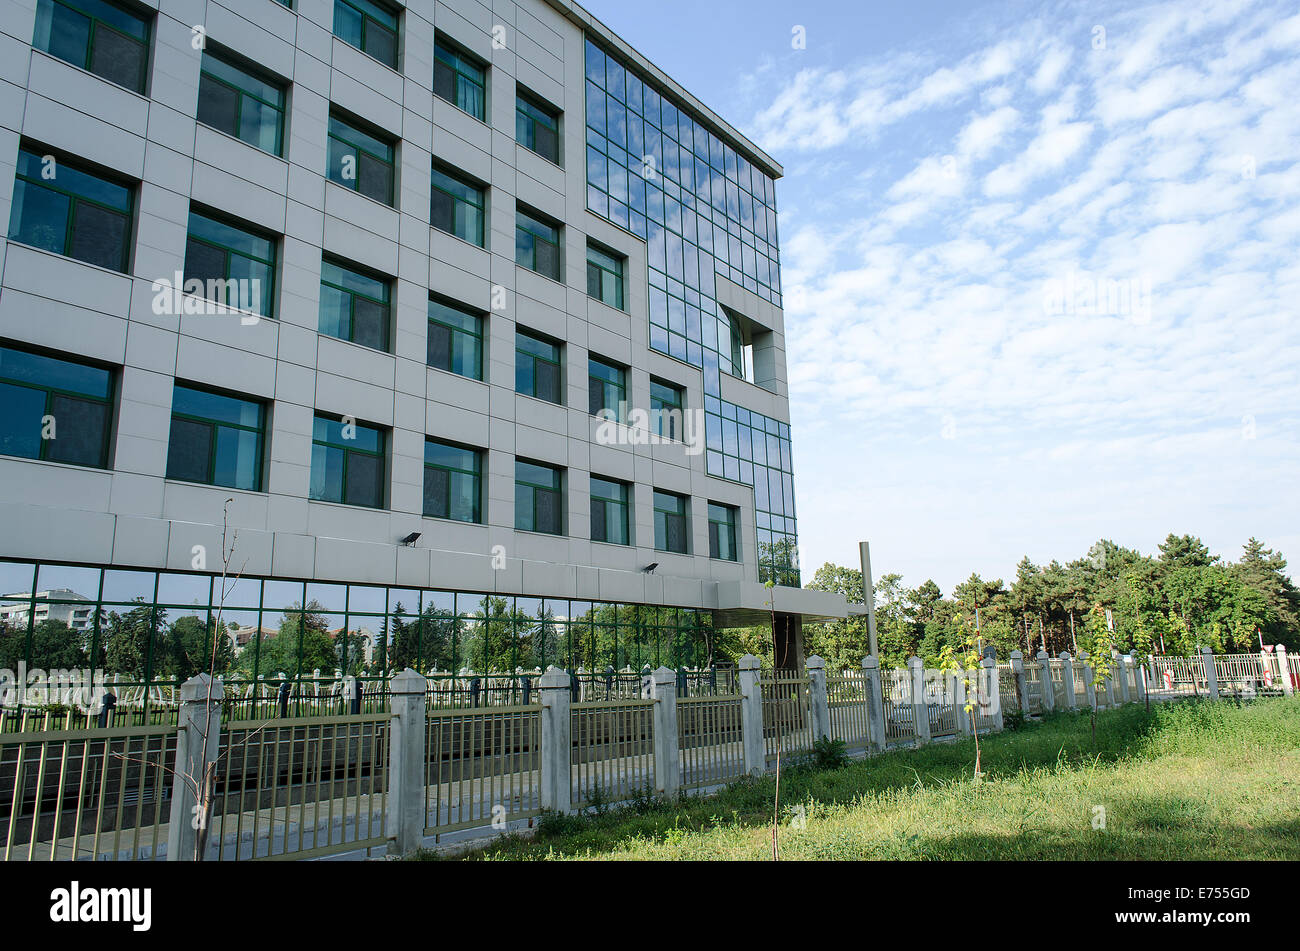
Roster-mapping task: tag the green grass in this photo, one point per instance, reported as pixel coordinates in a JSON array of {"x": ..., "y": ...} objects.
[{"x": 1188, "y": 780}]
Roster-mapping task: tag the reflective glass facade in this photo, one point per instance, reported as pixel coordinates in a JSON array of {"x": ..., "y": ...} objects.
[
  {"x": 703, "y": 209},
  {"x": 150, "y": 627}
]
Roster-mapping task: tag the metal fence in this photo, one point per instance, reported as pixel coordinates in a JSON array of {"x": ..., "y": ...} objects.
[
  {"x": 710, "y": 738},
  {"x": 481, "y": 766},
  {"x": 940, "y": 703},
  {"x": 1056, "y": 679},
  {"x": 1248, "y": 674},
  {"x": 1034, "y": 686},
  {"x": 301, "y": 787},
  {"x": 1178, "y": 676},
  {"x": 787, "y": 719},
  {"x": 612, "y": 750},
  {"x": 846, "y": 698},
  {"x": 79, "y": 794},
  {"x": 896, "y": 694}
]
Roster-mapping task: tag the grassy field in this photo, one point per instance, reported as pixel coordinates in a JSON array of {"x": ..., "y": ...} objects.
[{"x": 1188, "y": 780}]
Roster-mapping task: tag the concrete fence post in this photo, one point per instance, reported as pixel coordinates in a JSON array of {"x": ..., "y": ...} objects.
[
  {"x": 556, "y": 779},
  {"x": 1139, "y": 677},
  {"x": 991, "y": 688},
  {"x": 1211, "y": 677},
  {"x": 406, "y": 775},
  {"x": 1045, "y": 685},
  {"x": 875, "y": 703},
  {"x": 1121, "y": 673},
  {"x": 1022, "y": 680},
  {"x": 198, "y": 744},
  {"x": 920, "y": 709},
  {"x": 1089, "y": 690},
  {"x": 1067, "y": 679},
  {"x": 668, "y": 767},
  {"x": 751, "y": 715},
  {"x": 818, "y": 702},
  {"x": 1284, "y": 670}
]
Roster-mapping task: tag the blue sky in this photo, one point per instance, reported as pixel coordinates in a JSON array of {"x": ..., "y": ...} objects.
[{"x": 1041, "y": 266}]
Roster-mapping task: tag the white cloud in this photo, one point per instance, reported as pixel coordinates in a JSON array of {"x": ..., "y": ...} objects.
[{"x": 915, "y": 295}]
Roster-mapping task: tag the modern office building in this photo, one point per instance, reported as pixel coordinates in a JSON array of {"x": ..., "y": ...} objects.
[{"x": 423, "y": 302}]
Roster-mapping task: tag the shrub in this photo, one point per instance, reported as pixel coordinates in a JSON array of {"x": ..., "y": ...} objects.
[
  {"x": 1013, "y": 719},
  {"x": 829, "y": 754}
]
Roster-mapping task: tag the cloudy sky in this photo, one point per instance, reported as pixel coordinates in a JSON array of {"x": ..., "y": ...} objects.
[{"x": 1041, "y": 266}]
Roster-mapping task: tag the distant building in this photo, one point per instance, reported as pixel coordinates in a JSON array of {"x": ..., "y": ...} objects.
[{"x": 57, "y": 604}]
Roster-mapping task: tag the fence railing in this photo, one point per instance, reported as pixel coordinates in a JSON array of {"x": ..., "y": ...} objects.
[
  {"x": 710, "y": 738},
  {"x": 787, "y": 721},
  {"x": 81, "y": 794},
  {"x": 310, "y": 786},
  {"x": 612, "y": 750},
  {"x": 481, "y": 765},
  {"x": 300, "y": 787},
  {"x": 846, "y": 699}
]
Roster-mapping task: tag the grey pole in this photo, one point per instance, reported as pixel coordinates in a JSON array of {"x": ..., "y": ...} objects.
[{"x": 869, "y": 596}]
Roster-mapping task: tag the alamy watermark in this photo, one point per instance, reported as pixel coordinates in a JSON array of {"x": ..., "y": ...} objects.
[
  {"x": 635, "y": 426},
  {"x": 36, "y": 687},
  {"x": 1083, "y": 294},
  {"x": 177, "y": 296}
]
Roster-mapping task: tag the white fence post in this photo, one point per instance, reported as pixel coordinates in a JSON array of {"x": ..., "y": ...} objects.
[
  {"x": 1121, "y": 667},
  {"x": 1046, "y": 686},
  {"x": 1211, "y": 678},
  {"x": 1022, "y": 680},
  {"x": 1139, "y": 677},
  {"x": 406, "y": 774},
  {"x": 1284, "y": 668},
  {"x": 1067, "y": 679},
  {"x": 818, "y": 704},
  {"x": 992, "y": 688},
  {"x": 875, "y": 703},
  {"x": 198, "y": 742},
  {"x": 1089, "y": 690},
  {"x": 920, "y": 709},
  {"x": 751, "y": 715},
  {"x": 556, "y": 780},
  {"x": 668, "y": 767}
]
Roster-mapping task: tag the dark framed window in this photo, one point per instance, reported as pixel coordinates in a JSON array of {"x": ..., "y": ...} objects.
[
  {"x": 459, "y": 79},
  {"x": 62, "y": 206},
  {"x": 606, "y": 388},
  {"x": 537, "y": 127},
  {"x": 360, "y": 160},
  {"x": 240, "y": 101},
  {"x": 235, "y": 263},
  {"x": 538, "y": 368},
  {"x": 604, "y": 277},
  {"x": 537, "y": 245},
  {"x": 670, "y": 522},
  {"x": 609, "y": 512},
  {"x": 348, "y": 462},
  {"x": 722, "y": 532},
  {"x": 457, "y": 206},
  {"x": 666, "y": 408},
  {"x": 455, "y": 339},
  {"x": 216, "y": 439},
  {"x": 539, "y": 499},
  {"x": 56, "y": 410},
  {"x": 354, "y": 305},
  {"x": 453, "y": 481},
  {"x": 97, "y": 35},
  {"x": 370, "y": 27}
]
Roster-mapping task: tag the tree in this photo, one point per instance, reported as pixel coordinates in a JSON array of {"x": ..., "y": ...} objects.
[
  {"x": 1264, "y": 570},
  {"x": 55, "y": 646},
  {"x": 131, "y": 638},
  {"x": 191, "y": 642}
]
